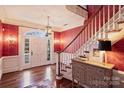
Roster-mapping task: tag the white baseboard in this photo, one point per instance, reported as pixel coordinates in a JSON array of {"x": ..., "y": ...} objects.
[{"x": 10, "y": 64}]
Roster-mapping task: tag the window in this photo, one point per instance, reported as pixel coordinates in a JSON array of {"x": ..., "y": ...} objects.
[
  {"x": 26, "y": 50},
  {"x": 48, "y": 50}
]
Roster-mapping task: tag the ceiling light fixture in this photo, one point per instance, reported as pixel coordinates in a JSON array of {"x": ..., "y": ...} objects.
[
  {"x": 65, "y": 24},
  {"x": 48, "y": 27}
]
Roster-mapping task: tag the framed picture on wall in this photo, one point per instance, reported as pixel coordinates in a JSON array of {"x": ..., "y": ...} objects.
[{"x": 96, "y": 52}]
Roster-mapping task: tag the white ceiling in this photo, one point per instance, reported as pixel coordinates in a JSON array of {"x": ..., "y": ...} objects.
[{"x": 59, "y": 15}]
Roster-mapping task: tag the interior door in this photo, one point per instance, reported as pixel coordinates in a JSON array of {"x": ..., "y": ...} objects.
[{"x": 38, "y": 51}]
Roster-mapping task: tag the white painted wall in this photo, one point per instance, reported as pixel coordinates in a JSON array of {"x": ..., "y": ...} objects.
[
  {"x": 16, "y": 63},
  {"x": 10, "y": 64}
]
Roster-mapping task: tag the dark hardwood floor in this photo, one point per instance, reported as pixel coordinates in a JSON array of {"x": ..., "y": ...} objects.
[{"x": 34, "y": 77}]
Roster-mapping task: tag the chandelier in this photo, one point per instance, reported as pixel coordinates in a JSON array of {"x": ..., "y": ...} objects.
[{"x": 48, "y": 27}]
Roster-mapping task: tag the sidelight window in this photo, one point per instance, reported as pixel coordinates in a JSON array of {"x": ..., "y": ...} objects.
[{"x": 48, "y": 50}]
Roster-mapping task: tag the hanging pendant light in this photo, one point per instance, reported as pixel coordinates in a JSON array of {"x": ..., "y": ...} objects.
[{"x": 48, "y": 27}]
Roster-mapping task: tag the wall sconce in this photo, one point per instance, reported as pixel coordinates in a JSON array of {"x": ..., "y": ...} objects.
[
  {"x": 57, "y": 41},
  {"x": 11, "y": 39},
  {"x": 3, "y": 29},
  {"x": 62, "y": 41},
  {"x": 58, "y": 44},
  {"x": 104, "y": 45}
]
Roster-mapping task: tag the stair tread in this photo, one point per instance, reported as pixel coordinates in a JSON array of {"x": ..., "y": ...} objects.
[
  {"x": 120, "y": 22},
  {"x": 66, "y": 63},
  {"x": 68, "y": 67},
  {"x": 64, "y": 70},
  {"x": 86, "y": 51},
  {"x": 83, "y": 56},
  {"x": 114, "y": 30}
]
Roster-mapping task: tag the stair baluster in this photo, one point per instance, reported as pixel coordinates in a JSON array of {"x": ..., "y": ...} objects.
[
  {"x": 90, "y": 32},
  {"x": 99, "y": 25},
  {"x": 104, "y": 26},
  {"x": 114, "y": 17},
  {"x": 108, "y": 26}
]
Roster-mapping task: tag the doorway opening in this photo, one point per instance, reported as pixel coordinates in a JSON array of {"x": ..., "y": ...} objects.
[{"x": 37, "y": 49}]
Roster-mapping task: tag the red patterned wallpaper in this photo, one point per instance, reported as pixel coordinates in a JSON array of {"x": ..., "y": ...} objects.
[
  {"x": 65, "y": 38},
  {"x": 68, "y": 35},
  {"x": 1, "y": 39},
  {"x": 57, "y": 41},
  {"x": 10, "y": 40},
  {"x": 116, "y": 56}
]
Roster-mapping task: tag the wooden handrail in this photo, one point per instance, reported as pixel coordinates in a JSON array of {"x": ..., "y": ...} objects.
[
  {"x": 83, "y": 27},
  {"x": 83, "y": 8}
]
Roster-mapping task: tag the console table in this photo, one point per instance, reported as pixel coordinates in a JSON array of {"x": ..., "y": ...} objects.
[{"x": 92, "y": 74}]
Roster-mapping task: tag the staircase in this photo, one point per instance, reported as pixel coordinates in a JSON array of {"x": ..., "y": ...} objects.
[{"x": 106, "y": 23}]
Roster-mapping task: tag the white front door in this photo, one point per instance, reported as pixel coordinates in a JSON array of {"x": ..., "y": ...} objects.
[
  {"x": 38, "y": 51},
  {"x": 37, "y": 54}
]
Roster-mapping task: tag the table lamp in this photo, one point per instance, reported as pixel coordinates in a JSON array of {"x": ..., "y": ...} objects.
[{"x": 104, "y": 45}]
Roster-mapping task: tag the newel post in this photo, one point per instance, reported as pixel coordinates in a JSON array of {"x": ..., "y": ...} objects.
[
  {"x": 59, "y": 64},
  {"x": 59, "y": 76}
]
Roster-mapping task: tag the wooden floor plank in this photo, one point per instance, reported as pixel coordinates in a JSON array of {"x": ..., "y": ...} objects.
[{"x": 33, "y": 76}]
